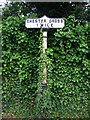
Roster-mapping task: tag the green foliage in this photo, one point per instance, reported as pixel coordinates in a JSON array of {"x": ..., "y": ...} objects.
[
  {"x": 68, "y": 69},
  {"x": 70, "y": 84},
  {"x": 20, "y": 75},
  {"x": 56, "y": 9}
]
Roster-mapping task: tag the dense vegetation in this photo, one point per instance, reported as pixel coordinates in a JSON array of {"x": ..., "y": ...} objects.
[{"x": 68, "y": 69}]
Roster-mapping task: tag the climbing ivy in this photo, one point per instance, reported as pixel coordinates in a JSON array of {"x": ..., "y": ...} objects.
[
  {"x": 68, "y": 70},
  {"x": 20, "y": 75},
  {"x": 69, "y": 75}
]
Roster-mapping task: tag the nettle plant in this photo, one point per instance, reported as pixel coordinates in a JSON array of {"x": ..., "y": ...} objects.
[{"x": 68, "y": 70}]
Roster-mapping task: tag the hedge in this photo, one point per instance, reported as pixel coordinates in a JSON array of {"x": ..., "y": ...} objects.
[{"x": 68, "y": 69}]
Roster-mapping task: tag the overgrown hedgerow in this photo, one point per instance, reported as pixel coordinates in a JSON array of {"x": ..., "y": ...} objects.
[{"x": 68, "y": 69}]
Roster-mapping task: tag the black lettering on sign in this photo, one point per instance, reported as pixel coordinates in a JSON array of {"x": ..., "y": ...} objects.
[
  {"x": 33, "y": 20},
  {"x": 41, "y": 25},
  {"x": 44, "y": 20},
  {"x": 52, "y": 20},
  {"x": 47, "y": 25},
  {"x": 58, "y": 20},
  {"x": 41, "y": 20},
  {"x": 51, "y": 25},
  {"x": 36, "y": 21},
  {"x": 27, "y": 21},
  {"x": 61, "y": 20},
  {"x": 44, "y": 25}
]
